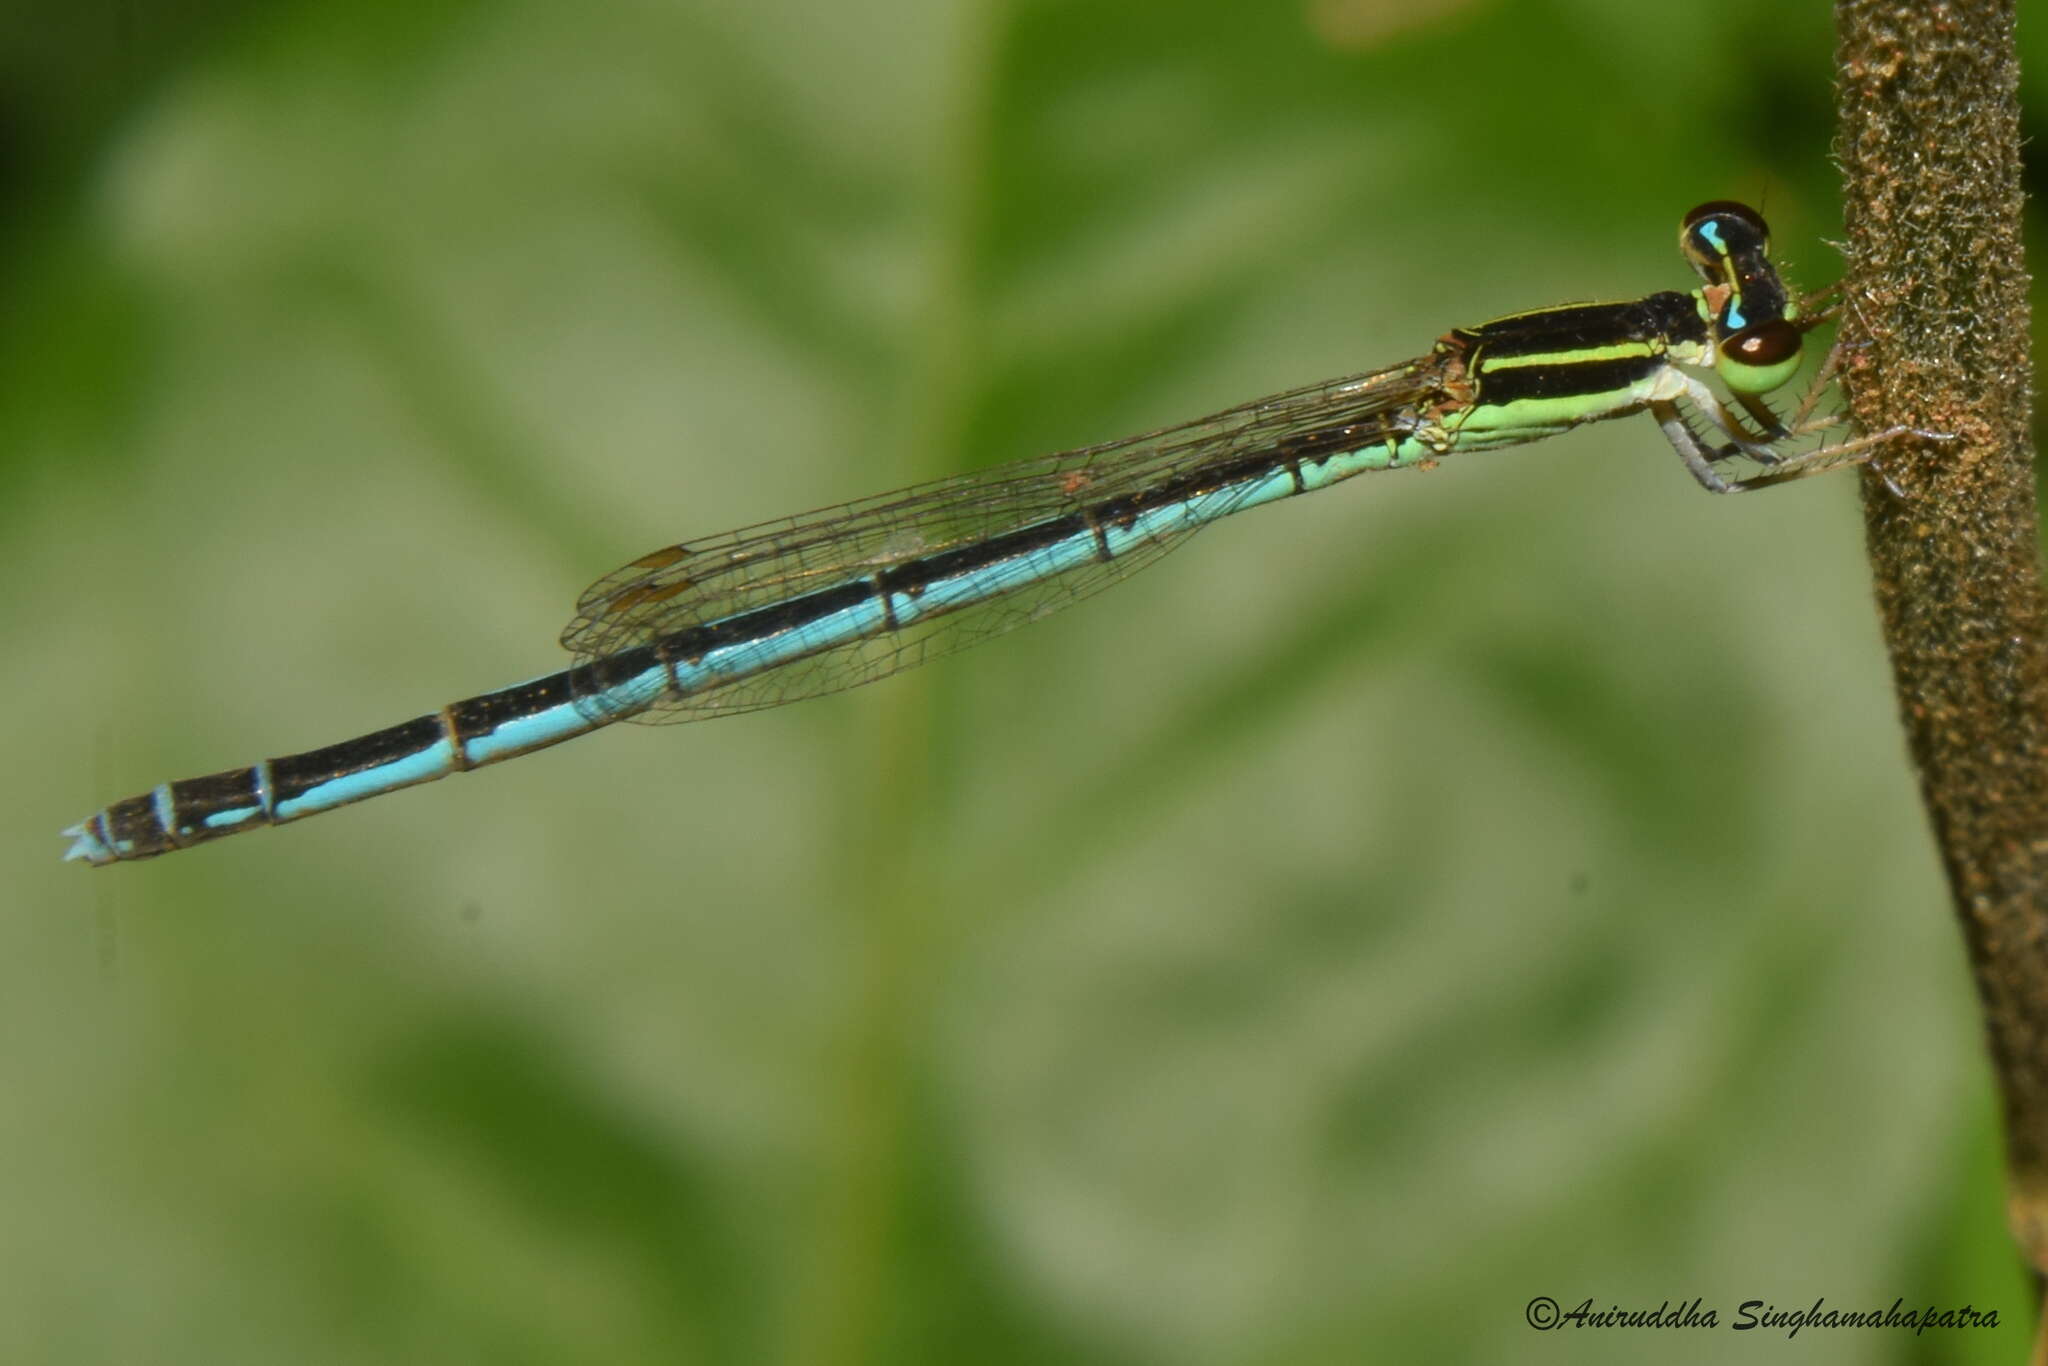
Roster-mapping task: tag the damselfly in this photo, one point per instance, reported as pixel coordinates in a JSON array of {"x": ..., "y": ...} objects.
[{"x": 831, "y": 599}]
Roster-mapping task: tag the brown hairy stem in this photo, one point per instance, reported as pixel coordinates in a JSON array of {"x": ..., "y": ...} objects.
[{"x": 1936, "y": 325}]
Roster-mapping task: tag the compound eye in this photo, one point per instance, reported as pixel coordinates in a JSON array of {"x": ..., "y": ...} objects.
[
  {"x": 1729, "y": 208},
  {"x": 1758, "y": 359},
  {"x": 1768, "y": 343}
]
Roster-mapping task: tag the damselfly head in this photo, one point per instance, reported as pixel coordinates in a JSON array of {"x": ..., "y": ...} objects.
[{"x": 1757, "y": 344}]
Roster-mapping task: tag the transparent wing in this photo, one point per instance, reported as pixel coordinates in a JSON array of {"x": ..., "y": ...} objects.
[{"x": 695, "y": 582}]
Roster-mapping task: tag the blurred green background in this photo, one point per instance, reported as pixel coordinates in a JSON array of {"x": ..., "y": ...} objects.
[{"x": 1462, "y": 887}]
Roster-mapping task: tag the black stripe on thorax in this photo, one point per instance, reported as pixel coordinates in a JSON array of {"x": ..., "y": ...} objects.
[
  {"x": 1500, "y": 386},
  {"x": 1518, "y": 357},
  {"x": 1668, "y": 317}
]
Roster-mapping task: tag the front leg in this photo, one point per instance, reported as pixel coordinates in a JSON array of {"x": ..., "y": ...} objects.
[
  {"x": 1698, "y": 456},
  {"x": 1741, "y": 441}
]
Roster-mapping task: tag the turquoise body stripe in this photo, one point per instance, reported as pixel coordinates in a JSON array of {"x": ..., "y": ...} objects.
[
  {"x": 745, "y": 658},
  {"x": 524, "y": 734},
  {"x": 421, "y": 766},
  {"x": 962, "y": 590},
  {"x": 726, "y": 664},
  {"x": 221, "y": 820}
]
